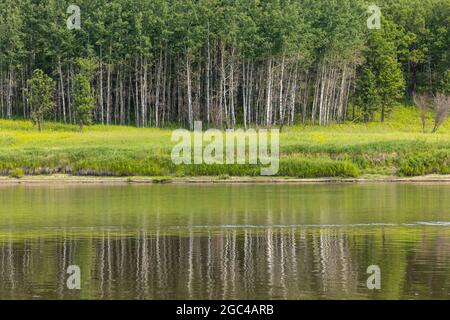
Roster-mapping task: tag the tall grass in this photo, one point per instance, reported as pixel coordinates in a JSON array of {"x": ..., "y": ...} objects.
[{"x": 345, "y": 150}]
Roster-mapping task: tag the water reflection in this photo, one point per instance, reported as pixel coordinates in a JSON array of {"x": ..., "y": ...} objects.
[{"x": 225, "y": 263}]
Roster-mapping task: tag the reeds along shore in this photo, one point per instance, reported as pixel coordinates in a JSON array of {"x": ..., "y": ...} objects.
[{"x": 395, "y": 148}]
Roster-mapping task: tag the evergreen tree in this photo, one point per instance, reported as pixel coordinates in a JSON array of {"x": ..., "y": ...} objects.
[
  {"x": 83, "y": 98},
  {"x": 381, "y": 83},
  {"x": 39, "y": 93}
]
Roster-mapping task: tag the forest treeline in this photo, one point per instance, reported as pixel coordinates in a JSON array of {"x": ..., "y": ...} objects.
[{"x": 225, "y": 62}]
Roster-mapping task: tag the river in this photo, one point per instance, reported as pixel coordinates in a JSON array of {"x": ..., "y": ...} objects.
[{"x": 218, "y": 241}]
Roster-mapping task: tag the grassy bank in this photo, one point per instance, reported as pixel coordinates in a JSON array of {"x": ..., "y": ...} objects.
[{"x": 397, "y": 147}]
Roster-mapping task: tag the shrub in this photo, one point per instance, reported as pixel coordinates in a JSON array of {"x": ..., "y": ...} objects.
[
  {"x": 16, "y": 173},
  {"x": 425, "y": 163},
  {"x": 317, "y": 168}
]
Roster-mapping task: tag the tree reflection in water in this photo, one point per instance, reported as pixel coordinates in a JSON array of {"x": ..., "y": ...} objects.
[{"x": 230, "y": 263}]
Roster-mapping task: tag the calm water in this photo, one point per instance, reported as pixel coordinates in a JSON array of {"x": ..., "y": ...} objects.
[{"x": 225, "y": 242}]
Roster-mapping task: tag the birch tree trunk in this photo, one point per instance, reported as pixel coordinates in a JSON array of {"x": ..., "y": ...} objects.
[
  {"x": 61, "y": 82},
  {"x": 281, "y": 93},
  {"x": 108, "y": 96},
  {"x": 100, "y": 91},
  {"x": 269, "y": 94},
  {"x": 189, "y": 91}
]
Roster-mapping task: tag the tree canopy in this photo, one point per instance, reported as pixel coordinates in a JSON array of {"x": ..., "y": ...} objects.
[{"x": 225, "y": 62}]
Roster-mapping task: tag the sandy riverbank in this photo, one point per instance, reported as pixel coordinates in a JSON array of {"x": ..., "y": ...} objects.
[{"x": 67, "y": 179}]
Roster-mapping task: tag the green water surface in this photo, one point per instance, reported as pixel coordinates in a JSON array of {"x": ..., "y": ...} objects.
[{"x": 225, "y": 241}]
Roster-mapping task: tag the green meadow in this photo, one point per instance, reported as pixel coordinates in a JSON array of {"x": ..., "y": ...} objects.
[{"x": 396, "y": 147}]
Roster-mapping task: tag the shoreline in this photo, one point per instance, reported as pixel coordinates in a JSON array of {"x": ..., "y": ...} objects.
[{"x": 94, "y": 180}]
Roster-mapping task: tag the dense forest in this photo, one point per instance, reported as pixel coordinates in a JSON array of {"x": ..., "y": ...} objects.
[{"x": 225, "y": 62}]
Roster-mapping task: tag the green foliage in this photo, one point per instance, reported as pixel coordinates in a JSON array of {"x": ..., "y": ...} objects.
[
  {"x": 127, "y": 39},
  {"x": 39, "y": 93},
  {"x": 444, "y": 85},
  {"x": 83, "y": 98},
  {"x": 425, "y": 163},
  {"x": 317, "y": 167},
  {"x": 367, "y": 94},
  {"x": 16, "y": 173},
  {"x": 381, "y": 83},
  {"x": 344, "y": 150},
  {"x": 391, "y": 84}
]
